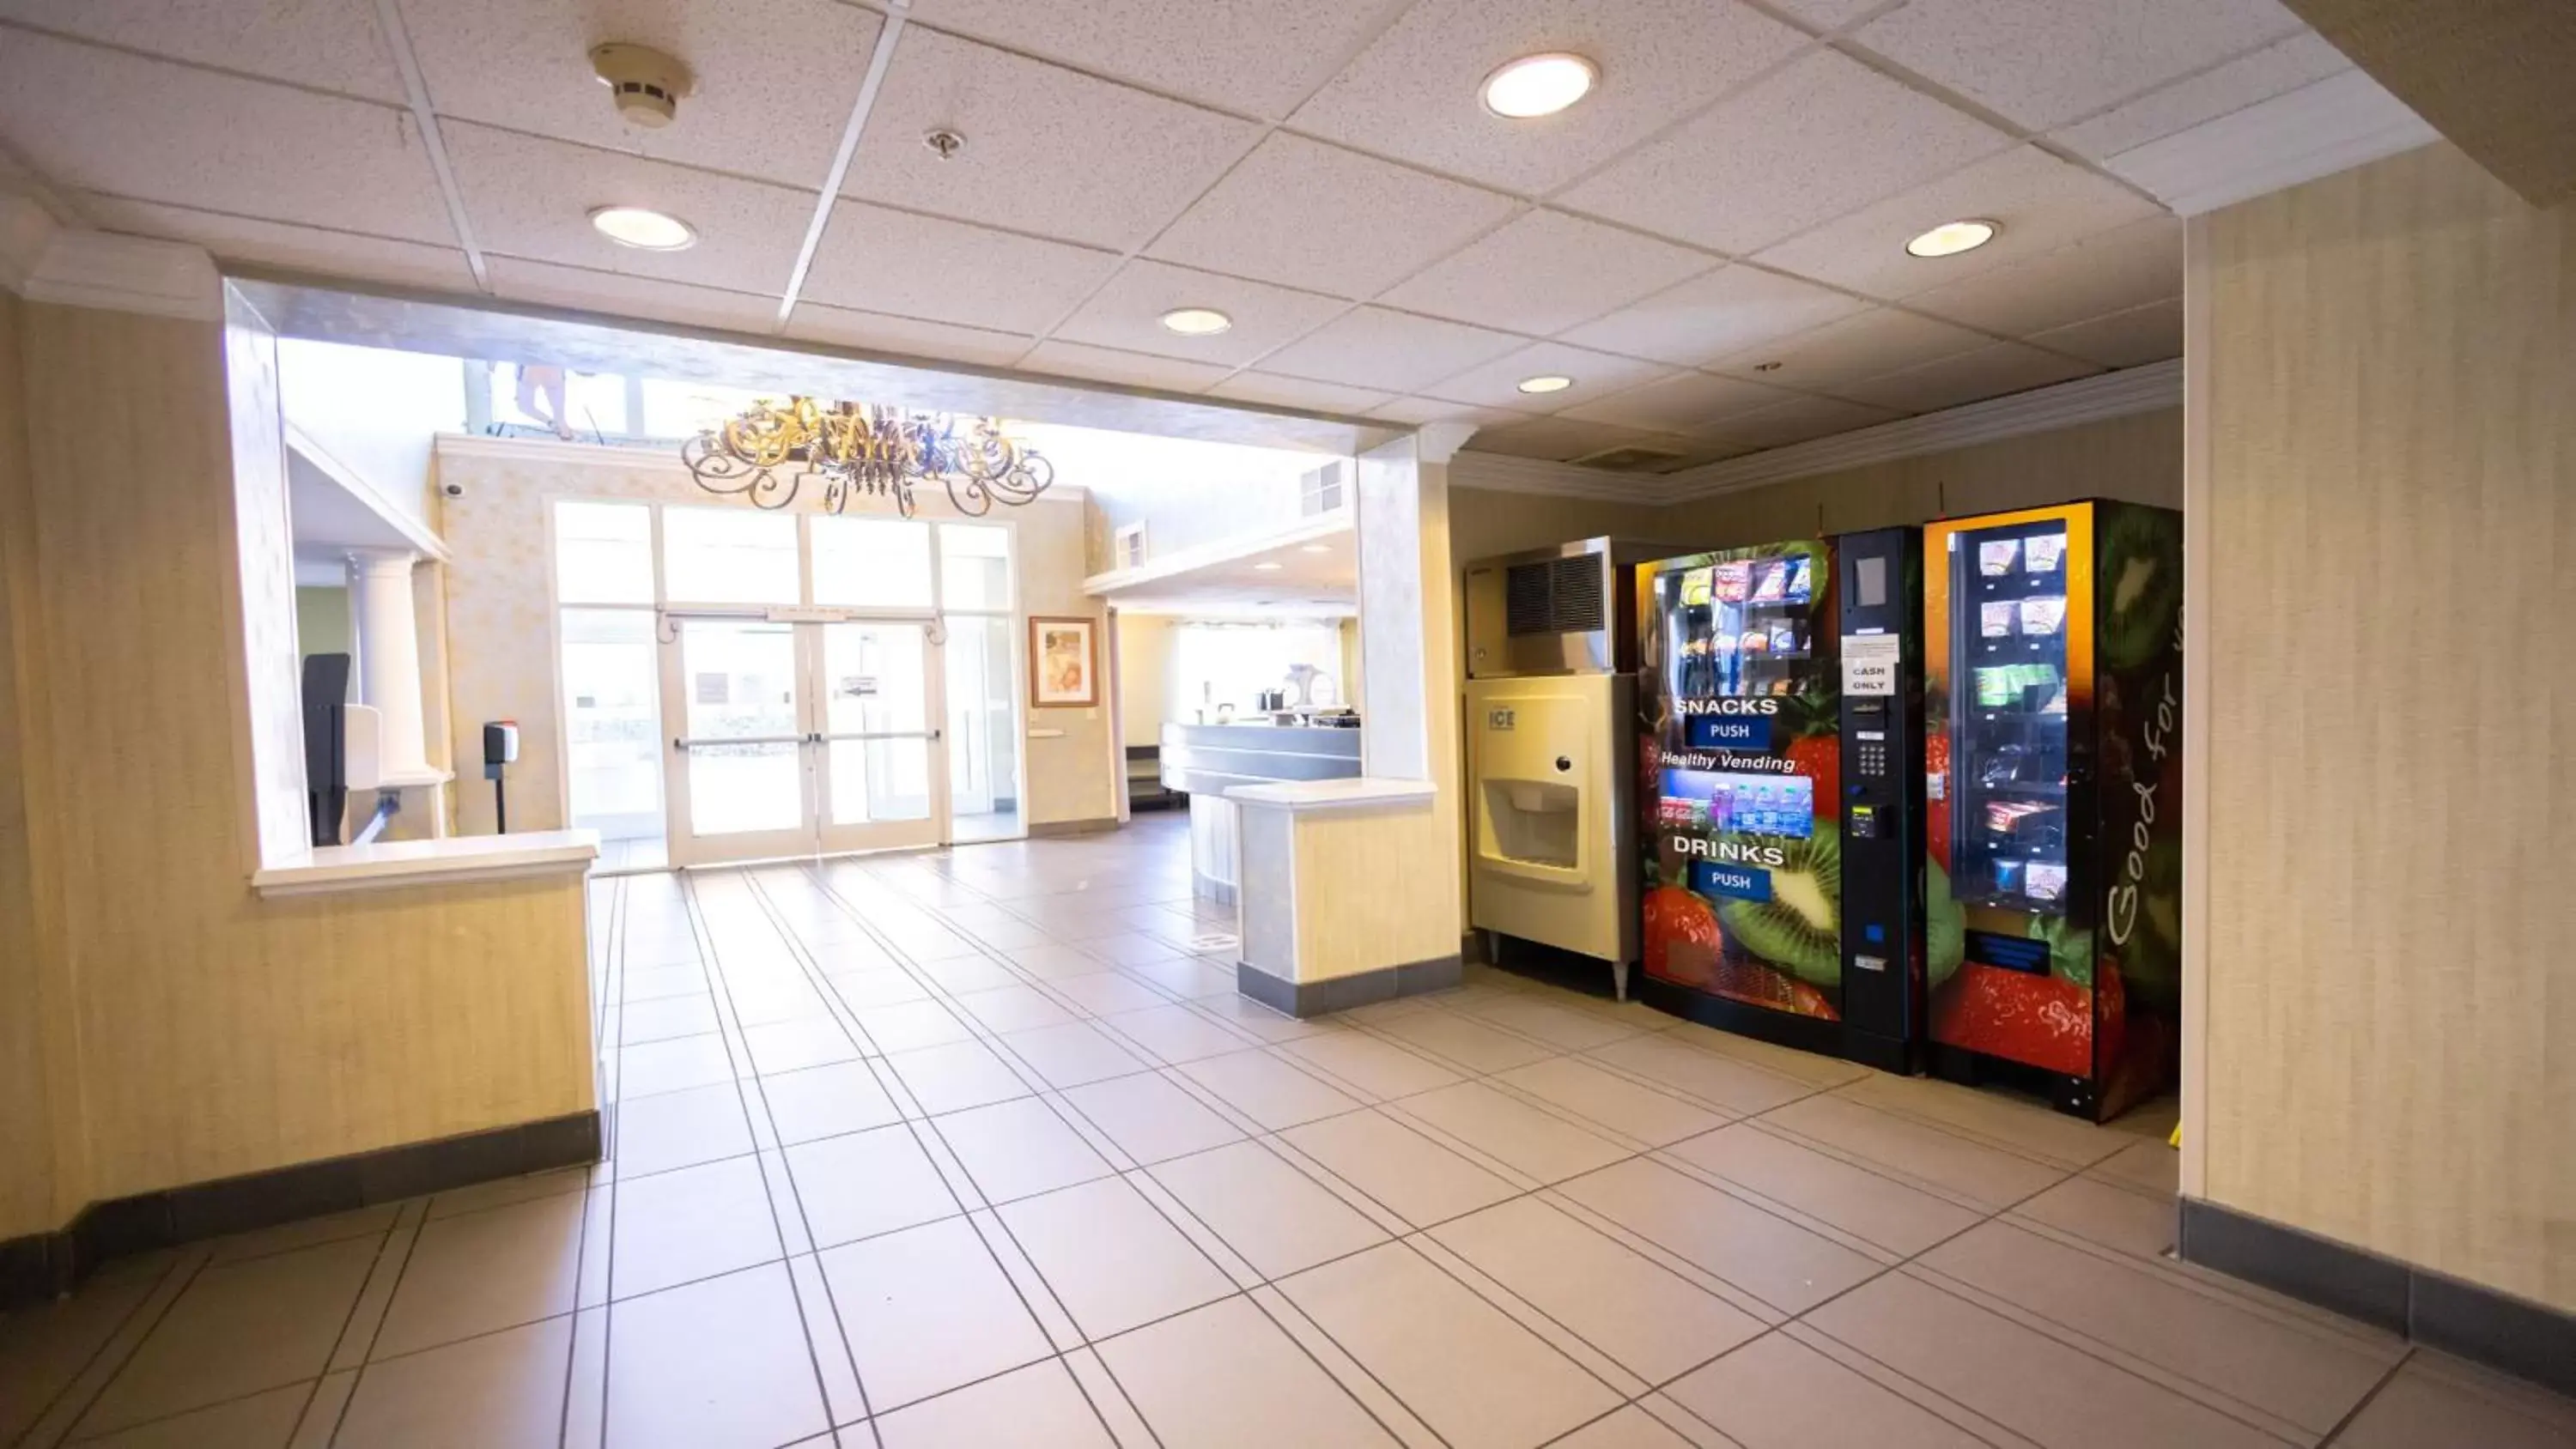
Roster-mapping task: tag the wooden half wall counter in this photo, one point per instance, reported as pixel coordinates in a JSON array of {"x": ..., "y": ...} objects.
[{"x": 213, "y": 1057}]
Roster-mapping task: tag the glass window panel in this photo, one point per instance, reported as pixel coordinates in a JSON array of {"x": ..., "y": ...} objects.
[
  {"x": 872, "y": 563},
  {"x": 880, "y": 780},
  {"x": 613, "y": 722},
  {"x": 684, "y": 409},
  {"x": 739, "y": 679},
  {"x": 593, "y": 403},
  {"x": 982, "y": 726},
  {"x": 603, "y": 553},
  {"x": 974, "y": 566},
  {"x": 877, "y": 678},
  {"x": 2008, "y": 757},
  {"x": 729, "y": 556}
]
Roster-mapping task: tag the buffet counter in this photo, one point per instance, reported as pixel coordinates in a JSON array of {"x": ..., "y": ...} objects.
[{"x": 1205, "y": 761}]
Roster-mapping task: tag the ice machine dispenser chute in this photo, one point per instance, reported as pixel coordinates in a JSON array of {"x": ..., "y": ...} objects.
[{"x": 1532, "y": 773}]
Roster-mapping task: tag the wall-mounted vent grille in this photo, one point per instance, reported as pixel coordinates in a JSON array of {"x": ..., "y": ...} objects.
[
  {"x": 1320, "y": 491},
  {"x": 1560, "y": 596},
  {"x": 1127, "y": 547}
]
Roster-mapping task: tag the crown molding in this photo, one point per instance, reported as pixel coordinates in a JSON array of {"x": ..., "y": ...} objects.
[
  {"x": 2120, "y": 394},
  {"x": 1503, "y": 473},
  {"x": 78, "y": 268},
  {"x": 2332, "y": 125},
  {"x": 555, "y": 452}
]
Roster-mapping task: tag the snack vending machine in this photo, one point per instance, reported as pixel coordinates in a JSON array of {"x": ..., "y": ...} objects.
[
  {"x": 2053, "y": 790},
  {"x": 1780, "y": 817}
]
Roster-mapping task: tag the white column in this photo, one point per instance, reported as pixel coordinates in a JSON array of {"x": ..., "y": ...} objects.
[{"x": 388, "y": 649}]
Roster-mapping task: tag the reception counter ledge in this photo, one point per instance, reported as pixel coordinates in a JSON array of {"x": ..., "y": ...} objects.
[
  {"x": 397, "y": 863},
  {"x": 1206, "y": 762},
  {"x": 1332, "y": 873}
]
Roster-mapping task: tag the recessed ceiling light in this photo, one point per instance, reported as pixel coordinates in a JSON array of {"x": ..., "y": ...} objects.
[
  {"x": 636, "y": 226},
  {"x": 1953, "y": 237},
  {"x": 1550, "y": 382},
  {"x": 1539, "y": 85},
  {"x": 1196, "y": 321},
  {"x": 1316, "y": 548},
  {"x": 1268, "y": 565}
]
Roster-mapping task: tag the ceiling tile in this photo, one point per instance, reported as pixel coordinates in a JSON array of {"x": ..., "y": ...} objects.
[
  {"x": 1798, "y": 421},
  {"x": 297, "y": 248},
  {"x": 2042, "y": 202},
  {"x": 2273, "y": 70},
  {"x": 2043, "y": 63},
  {"x": 531, "y": 197},
  {"x": 1415, "y": 411},
  {"x": 946, "y": 271},
  {"x": 1544, "y": 271},
  {"x": 1823, "y": 136},
  {"x": 1048, "y": 150},
  {"x": 1128, "y": 313},
  {"x": 905, "y": 336},
  {"x": 1309, "y": 215},
  {"x": 330, "y": 44},
  {"x": 1127, "y": 369},
  {"x": 2140, "y": 335},
  {"x": 1690, "y": 402},
  {"x": 2006, "y": 367},
  {"x": 1413, "y": 93},
  {"x": 2134, "y": 265},
  {"x": 775, "y": 78},
  {"x": 1561, "y": 440},
  {"x": 1872, "y": 344},
  {"x": 1716, "y": 314},
  {"x": 1295, "y": 392},
  {"x": 1261, "y": 56},
  {"x": 623, "y": 296},
  {"x": 1393, "y": 351},
  {"x": 1829, "y": 14},
  {"x": 1595, "y": 374},
  {"x": 102, "y": 120}
]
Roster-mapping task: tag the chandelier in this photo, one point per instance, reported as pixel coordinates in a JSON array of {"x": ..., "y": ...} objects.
[{"x": 863, "y": 450}]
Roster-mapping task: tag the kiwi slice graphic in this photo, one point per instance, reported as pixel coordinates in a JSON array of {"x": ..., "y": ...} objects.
[
  {"x": 1945, "y": 926},
  {"x": 1800, "y": 928},
  {"x": 2142, "y": 584}
]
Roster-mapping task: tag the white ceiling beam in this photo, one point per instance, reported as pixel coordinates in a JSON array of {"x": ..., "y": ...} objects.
[
  {"x": 416, "y": 95},
  {"x": 897, "y": 14}
]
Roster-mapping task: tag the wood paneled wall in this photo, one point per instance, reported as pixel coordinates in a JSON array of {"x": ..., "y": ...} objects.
[
  {"x": 26, "y": 1127},
  {"x": 206, "y": 1032},
  {"x": 2389, "y": 609}
]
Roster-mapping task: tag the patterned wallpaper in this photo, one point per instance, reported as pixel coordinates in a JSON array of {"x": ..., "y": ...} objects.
[{"x": 499, "y": 635}]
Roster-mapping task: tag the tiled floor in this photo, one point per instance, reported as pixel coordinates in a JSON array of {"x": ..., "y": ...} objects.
[{"x": 981, "y": 1149}]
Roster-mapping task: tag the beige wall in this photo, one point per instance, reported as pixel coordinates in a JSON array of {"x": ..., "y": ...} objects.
[
  {"x": 2136, "y": 458},
  {"x": 500, "y": 629},
  {"x": 1485, "y": 521},
  {"x": 322, "y": 624},
  {"x": 2388, "y": 521},
  {"x": 1144, "y": 676},
  {"x": 189, "y": 1029}
]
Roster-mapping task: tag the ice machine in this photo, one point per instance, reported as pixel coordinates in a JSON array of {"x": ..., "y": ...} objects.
[{"x": 1551, "y": 641}]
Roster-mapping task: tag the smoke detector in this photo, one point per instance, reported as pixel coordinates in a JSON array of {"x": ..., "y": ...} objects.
[{"x": 647, "y": 85}]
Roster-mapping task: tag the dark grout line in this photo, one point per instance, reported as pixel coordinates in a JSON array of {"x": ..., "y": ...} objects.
[{"x": 2353, "y": 1415}]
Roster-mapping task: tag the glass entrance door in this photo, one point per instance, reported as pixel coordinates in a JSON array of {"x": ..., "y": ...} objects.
[
  {"x": 803, "y": 737},
  {"x": 879, "y": 749}
]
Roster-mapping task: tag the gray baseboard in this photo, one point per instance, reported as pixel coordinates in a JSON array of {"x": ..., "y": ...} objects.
[
  {"x": 1048, "y": 829},
  {"x": 40, "y": 1266},
  {"x": 2519, "y": 1337},
  {"x": 1341, "y": 993}
]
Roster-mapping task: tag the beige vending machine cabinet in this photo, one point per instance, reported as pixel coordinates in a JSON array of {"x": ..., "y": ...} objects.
[{"x": 1551, "y": 749}]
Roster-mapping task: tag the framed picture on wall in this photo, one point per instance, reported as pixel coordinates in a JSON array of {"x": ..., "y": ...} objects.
[{"x": 1064, "y": 662}]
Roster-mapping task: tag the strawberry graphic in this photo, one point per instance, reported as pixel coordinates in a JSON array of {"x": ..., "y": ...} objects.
[
  {"x": 1682, "y": 937},
  {"x": 2046, "y": 1021},
  {"x": 1760, "y": 985},
  {"x": 1820, "y": 758},
  {"x": 1939, "y": 787}
]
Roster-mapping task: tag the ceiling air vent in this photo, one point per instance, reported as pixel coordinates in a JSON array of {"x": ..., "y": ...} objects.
[
  {"x": 1320, "y": 491},
  {"x": 1630, "y": 460},
  {"x": 1559, "y": 596}
]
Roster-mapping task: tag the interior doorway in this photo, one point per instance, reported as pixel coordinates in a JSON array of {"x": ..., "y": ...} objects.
[{"x": 812, "y": 684}]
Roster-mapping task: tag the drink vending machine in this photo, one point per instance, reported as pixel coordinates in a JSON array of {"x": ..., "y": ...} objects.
[
  {"x": 2053, "y": 788},
  {"x": 1781, "y": 786}
]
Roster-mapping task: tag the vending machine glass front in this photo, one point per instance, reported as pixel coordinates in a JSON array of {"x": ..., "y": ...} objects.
[{"x": 2008, "y": 717}]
